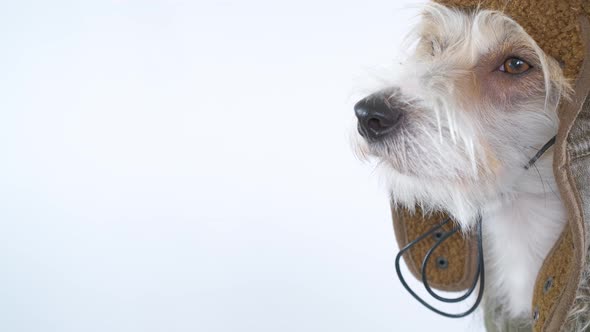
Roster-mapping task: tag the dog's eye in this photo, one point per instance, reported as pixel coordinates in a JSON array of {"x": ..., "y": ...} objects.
[{"x": 514, "y": 66}]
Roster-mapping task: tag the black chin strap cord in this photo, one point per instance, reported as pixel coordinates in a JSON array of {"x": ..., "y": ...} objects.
[
  {"x": 479, "y": 275},
  {"x": 540, "y": 153}
]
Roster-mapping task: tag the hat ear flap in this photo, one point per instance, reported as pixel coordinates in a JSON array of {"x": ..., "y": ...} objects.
[{"x": 454, "y": 266}]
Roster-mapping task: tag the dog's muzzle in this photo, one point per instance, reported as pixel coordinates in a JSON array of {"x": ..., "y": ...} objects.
[{"x": 377, "y": 116}]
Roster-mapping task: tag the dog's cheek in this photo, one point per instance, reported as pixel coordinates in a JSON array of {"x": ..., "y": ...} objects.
[
  {"x": 505, "y": 91},
  {"x": 492, "y": 165},
  {"x": 470, "y": 88}
]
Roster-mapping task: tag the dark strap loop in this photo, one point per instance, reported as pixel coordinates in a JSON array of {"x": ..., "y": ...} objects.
[
  {"x": 479, "y": 272},
  {"x": 425, "y": 276}
]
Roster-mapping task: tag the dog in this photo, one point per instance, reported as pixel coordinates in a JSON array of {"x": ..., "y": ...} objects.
[{"x": 474, "y": 101}]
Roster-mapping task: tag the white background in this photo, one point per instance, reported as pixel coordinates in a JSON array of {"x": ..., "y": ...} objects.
[{"x": 185, "y": 166}]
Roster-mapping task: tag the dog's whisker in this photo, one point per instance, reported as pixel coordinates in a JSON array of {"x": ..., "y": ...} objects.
[
  {"x": 439, "y": 124},
  {"x": 451, "y": 125},
  {"x": 471, "y": 153}
]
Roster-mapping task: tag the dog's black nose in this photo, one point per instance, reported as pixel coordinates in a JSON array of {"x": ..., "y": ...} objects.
[{"x": 377, "y": 117}]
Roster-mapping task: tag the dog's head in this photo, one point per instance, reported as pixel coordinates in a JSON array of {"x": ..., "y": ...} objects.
[{"x": 474, "y": 102}]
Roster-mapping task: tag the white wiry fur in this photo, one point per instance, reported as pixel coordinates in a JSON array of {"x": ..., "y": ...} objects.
[{"x": 466, "y": 132}]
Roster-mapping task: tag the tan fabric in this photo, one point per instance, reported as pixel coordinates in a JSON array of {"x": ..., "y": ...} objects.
[{"x": 460, "y": 269}]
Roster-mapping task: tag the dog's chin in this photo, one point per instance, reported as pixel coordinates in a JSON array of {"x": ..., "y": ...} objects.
[
  {"x": 434, "y": 167},
  {"x": 378, "y": 152},
  {"x": 427, "y": 168},
  {"x": 399, "y": 167},
  {"x": 420, "y": 186}
]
